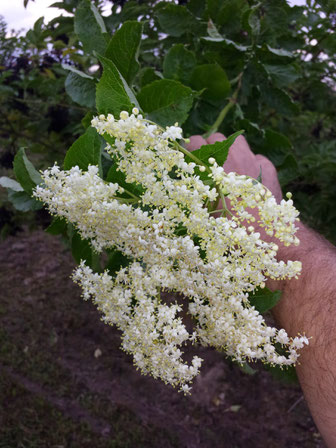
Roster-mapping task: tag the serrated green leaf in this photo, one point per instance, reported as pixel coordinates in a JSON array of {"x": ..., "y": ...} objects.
[
  {"x": 81, "y": 90},
  {"x": 279, "y": 100},
  {"x": 6, "y": 182},
  {"x": 23, "y": 201},
  {"x": 283, "y": 75},
  {"x": 123, "y": 49},
  {"x": 166, "y": 101},
  {"x": 264, "y": 299},
  {"x": 175, "y": 20},
  {"x": 89, "y": 27},
  {"x": 179, "y": 63},
  {"x": 213, "y": 79},
  {"x": 148, "y": 75},
  {"x": 219, "y": 150},
  {"x": 85, "y": 151},
  {"x": 111, "y": 96},
  {"x": 25, "y": 172}
]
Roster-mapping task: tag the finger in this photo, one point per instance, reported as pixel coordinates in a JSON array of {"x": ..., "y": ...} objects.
[
  {"x": 196, "y": 141},
  {"x": 216, "y": 137},
  {"x": 241, "y": 159},
  {"x": 269, "y": 176},
  {"x": 266, "y": 165}
]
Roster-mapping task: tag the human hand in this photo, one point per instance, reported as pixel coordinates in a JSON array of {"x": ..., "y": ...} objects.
[{"x": 241, "y": 160}]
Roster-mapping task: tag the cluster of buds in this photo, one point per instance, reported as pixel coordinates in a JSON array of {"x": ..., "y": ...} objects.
[{"x": 176, "y": 243}]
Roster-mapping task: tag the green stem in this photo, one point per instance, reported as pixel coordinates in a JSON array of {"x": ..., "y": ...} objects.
[
  {"x": 223, "y": 113},
  {"x": 218, "y": 210},
  {"x": 125, "y": 200},
  {"x": 131, "y": 194},
  {"x": 226, "y": 210}
]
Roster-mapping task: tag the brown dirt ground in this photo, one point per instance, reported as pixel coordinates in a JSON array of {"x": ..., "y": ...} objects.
[{"x": 54, "y": 391}]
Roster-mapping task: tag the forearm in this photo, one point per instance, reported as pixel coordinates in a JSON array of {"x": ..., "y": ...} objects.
[{"x": 308, "y": 305}]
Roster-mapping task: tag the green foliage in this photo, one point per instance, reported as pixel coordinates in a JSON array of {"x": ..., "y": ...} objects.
[
  {"x": 123, "y": 49},
  {"x": 25, "y": 172},
  {"x": 264, "y": 299},
  {"x": 166, "y": 101},
  {"x": 85, "y": 151},
  {"x": 219, "y": 150},
  {"x": 81, "y": 88},
  {"x": 175, "y": 20},
  {"x": 212, "y": 78},
  {"x": 90, "y": 28},
  {"x": 179, "y": 63},
  {"x": 112, "y": 91}
]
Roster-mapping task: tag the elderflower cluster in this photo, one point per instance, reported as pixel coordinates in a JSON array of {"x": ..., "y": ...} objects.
[{"x": 174, "y": 243}]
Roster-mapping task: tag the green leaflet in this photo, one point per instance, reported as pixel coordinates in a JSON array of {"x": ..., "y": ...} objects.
[
  {"x": 219, "y": 150},
  {"x": 264, "y": 299},
  {"x": 166, "y": 101},
  {"x": 81, "y": 89},
  {"x": 25, "y": 172},
  {"x": 123, "y": 49},
  {"x": 90, "y": 28},
  {"x": 85, "y": 151},
  {"x": 113, "y": 95}
]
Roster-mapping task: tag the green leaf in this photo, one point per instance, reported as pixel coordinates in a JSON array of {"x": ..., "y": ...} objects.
[
  {"x": 212, "y": 78},
  {"x": 23, "y": 201},
  {"x": 72, "y": 69},
  {"x": 25, "y": 172},
  {"x": 219, "y": 150},
  {"x": 282, "y": 75},
  {"x": 179, "y": 63},
  {"x": 112, "y": 96},
  {"x": 86, "y": 120},
  {"x": 116, "y": 176},
  {"x": 148, "y": 75},
  {"x": 81, "y": 249},
  {"x": 89, "y": 27},
  {"x": 116, "y": 261},
  {"x": 279, "y": 100},
  {"x": 85, "y": 151},
  {"x": 253, "y": 21},
  {"x": 166, "y": 101},
  {"x": 197, "y": 7},
  {"x": 123, "y": 49},
  {"x": 175, "y": 20},
  {"x": 286, "y": 374},
  {"x": 276, "y": 146},
  {"x": 81, "y": 90},
  {"x": 288, "y": 170},
  {"x": 58, "y": 226},
  {"x": 281, "y": 52},
  {"x": 6, "y": 182},
  {"x": 227, "y": 43},
  {"x": 264, "y": 299}
]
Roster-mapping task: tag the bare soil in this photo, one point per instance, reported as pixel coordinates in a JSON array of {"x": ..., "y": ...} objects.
[{"x": 64, "y": 382}]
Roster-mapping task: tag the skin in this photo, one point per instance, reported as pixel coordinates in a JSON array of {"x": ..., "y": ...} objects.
[{"x": 308, "y": 305}]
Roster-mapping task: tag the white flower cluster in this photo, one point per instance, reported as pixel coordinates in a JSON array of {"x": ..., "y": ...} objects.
[{"x": 175, "y": 244}]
